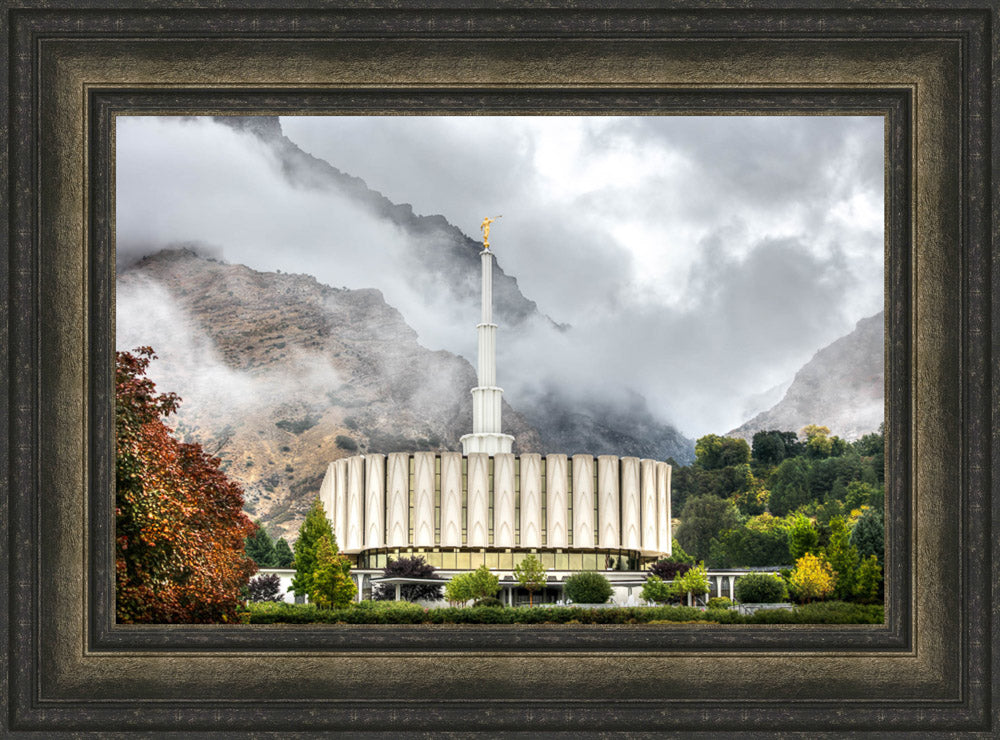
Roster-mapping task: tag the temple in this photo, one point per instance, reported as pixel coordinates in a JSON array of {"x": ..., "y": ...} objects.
[{"x": 486, "y": 505}]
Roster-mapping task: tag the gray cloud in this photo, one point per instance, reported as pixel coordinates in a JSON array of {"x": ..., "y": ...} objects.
[{"x": 700, "y": 261}]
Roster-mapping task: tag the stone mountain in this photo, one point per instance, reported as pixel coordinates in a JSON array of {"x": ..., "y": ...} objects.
[{"x": 842, "y": 387}]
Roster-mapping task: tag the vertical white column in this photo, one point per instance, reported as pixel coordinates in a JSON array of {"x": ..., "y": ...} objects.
[
  {"x": 423, "y": 499},
  {"x": 664, "y": 535},
  {"x": 477, "y": 508},
  {"x": 374, "y": 500},
  {"x": 608, "y": 502},
  {"x": 486, "y": 396},
  {"x": 531, "y": 500},
  {"x": 555, "y": 501},
  {"x": 583, "y": 501},
  {"x": 487, "y": 359},
  {"x": 355, "y": 502},
  {"x": 327, "y": 494},
  {"x": 647, "y": 493},
  {"x": 631, "y": 536},
  {"x": 397, "y": 494},
  {"x": 451, "y": 499},
  {"x": 340, "y": 501},
  {"x": 503, "y": 500}
]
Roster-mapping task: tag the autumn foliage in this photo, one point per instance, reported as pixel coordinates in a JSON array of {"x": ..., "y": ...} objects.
[{"x": 179, "y": 525}]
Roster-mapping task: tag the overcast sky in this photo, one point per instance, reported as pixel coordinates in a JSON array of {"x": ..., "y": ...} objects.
[{"x": 700, "y": 260}]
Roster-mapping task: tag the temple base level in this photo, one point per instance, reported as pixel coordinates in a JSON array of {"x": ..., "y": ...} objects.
[{"x": 487, "y": 442}]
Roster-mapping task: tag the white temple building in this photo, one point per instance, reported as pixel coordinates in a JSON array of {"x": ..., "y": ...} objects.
[{"x": 486, "y": 505}]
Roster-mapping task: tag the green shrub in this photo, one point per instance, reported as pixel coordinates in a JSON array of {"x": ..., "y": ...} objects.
[
  {"x": 391, "y": 612},
  {"x": 587, "y": 587},
  {"x": 719, "y": 602},
  {"x": 760, "y": 588},
  {"x": 489, "y": 601},
  {"x": 477, "y": 584},
  {"x": 658, "y": 590}
]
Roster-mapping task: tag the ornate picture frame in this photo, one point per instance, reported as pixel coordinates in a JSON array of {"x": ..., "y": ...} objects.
[{"x": 70, "y": 70}]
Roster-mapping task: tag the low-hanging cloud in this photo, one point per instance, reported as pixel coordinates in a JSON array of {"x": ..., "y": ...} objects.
[{"x": 698, "y": 262}]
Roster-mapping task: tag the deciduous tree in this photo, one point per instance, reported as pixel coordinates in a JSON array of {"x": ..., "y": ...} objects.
[
  {"x": 531, "y": 574},
  {"x": 813, "y": 578},
  {"x": 415, "y": 567},
  {"x": 331, "y": 584},
  {"x": 843, "y": 557},
  {"x": 789, "y": 486},
  {"x": 712, "y": 452},
  {"x": 179, "y": 524},
  {"x": 802, "y": 536},
  {"x": 702, "y": 519},
  {"x": 868, "y": 587},
  {"x": 264, "y": 587}
]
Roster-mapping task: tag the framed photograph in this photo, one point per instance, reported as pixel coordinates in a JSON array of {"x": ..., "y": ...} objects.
[
  {"x": 631, "y": 315},
  {"x": 75, "y": 75}
]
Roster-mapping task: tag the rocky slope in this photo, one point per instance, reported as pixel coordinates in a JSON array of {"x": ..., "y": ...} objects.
[
  {"x": 841, "y": 387},
  {"x": 279, "y": 374},
  {"x": 439, "y": 257}
]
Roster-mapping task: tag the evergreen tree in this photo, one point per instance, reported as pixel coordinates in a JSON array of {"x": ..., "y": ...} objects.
[
  {"x": 869, "y": 582},
  {"x": 868, "y": 534},
  {"x": 843, "y": 558},
  {"x": 284, "y": 557},
  {"x": 313, "y": 529},
  {"x": 331, "y": 585},
  {"x": 260, "y": 547}
]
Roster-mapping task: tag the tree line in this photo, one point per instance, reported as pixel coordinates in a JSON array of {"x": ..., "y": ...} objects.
[{"x": 782, "y": 498}]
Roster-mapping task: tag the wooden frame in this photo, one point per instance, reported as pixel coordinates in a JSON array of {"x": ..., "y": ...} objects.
[{"x": 931, "y": 668}]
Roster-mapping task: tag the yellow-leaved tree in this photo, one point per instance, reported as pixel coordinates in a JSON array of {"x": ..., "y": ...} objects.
[{"x": 813, "y": 577}]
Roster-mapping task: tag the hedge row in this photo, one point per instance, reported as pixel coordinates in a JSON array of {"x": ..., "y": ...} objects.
[{"x": 835, "y": 612}]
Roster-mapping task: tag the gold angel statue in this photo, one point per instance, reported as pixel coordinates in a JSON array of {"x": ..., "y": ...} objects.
[{"x": 485, "y": 226}]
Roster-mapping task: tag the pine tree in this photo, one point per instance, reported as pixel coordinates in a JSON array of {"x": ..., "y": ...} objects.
[
  {"x": 260, "y": 547},
  {"x": 284, "y": 557},
  {"x": 313, "y": 529}
]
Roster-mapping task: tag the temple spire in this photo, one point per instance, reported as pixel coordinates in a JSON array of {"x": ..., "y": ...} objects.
[{"x": 486, "y": 397}]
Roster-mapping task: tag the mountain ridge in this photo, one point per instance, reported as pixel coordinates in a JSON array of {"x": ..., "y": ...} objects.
[{"x": 841, "y": 387}]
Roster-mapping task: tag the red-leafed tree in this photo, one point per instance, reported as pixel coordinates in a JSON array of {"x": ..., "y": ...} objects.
[{"x": 179, "y": 523}]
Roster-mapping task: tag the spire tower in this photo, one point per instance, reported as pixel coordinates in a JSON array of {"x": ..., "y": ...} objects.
[{"x": 486, "y": 397}]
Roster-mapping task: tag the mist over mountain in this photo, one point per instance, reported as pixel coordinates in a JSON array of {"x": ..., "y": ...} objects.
[
  {"x": 442, "y": 263},
  {"x": 842, "y": 387},
  {"x": 279, "y": 375}
]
